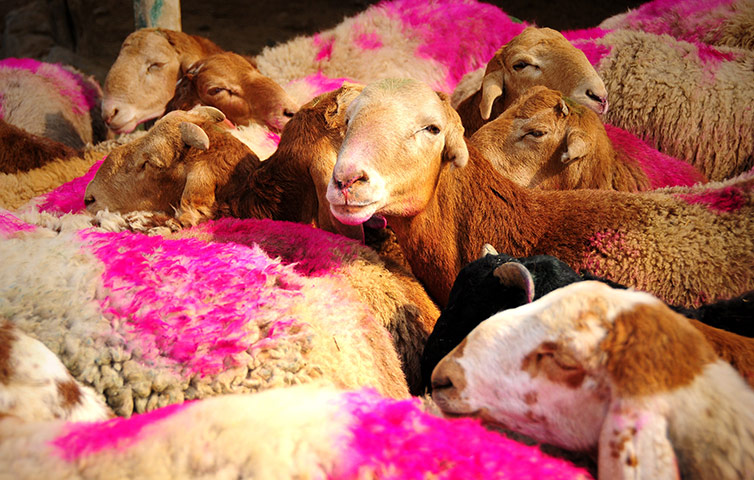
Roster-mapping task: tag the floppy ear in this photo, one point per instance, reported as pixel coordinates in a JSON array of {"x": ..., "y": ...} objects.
[
  {"x": 455, "y": 149},
  {"x": 513, "y": 274},
  {"x": 193, "y": 135},
  {"x": 492, "y": 88},
  {"x": 634, "y": 444},
  {"x": 578, "y": 145}
]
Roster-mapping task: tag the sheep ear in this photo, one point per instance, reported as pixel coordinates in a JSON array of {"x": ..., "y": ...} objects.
[
  {"x": 198, "y": 197},
  {"x": 492, "y": 88},
  {"x": 578, "y": 145},
  {"x": 348, "y": 92},
  {"x": 513, "y": 274},
  {"x": 455, "y": 149},
  {"x": 562, "y": 107},
  {"x": 487, "y": 249},
  {"x": 634, "y": 444},
  {"x": 193, "y": 135}
]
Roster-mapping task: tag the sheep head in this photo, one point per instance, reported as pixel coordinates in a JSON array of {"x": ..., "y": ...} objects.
[
  {"x": 233, "y": 84},
  {"x": 142, "y": 79},
  {"x": 541, "y": 56},
  {"x": 545, "y": 140},
  {"x": 580, "y": 368},
  {"x": 168, "y": 169},
  {"x": 394, "y": 127}
]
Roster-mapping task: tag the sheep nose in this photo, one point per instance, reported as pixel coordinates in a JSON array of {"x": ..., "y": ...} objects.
[
  {"x": 109, "y": 115},
  {"x": 601, "y": 100},
  {"x": 344, "y": 185},
  {"x": 440, "y": 382},
  {"x": 288, "y": 113},
  {"x": 88, "y": 200}
]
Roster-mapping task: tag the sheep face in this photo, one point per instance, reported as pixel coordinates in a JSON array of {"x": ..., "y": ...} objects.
[
  {"x": 538, "y": 140},
  {"x": 151, "y": 173},
  {"x": 398, "y": 126},
  {"x": 230, "y": 83},
  {"x": 141, "y": 81},
  {"x": 541, "y": 56}
]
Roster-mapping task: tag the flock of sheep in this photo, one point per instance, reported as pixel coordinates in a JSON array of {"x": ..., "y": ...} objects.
[{"x": 309, "y": 263}]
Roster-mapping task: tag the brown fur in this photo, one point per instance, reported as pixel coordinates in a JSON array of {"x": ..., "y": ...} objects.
[
  {"x": 7, "y": 337},
  {"x": 569, "y": 129},
  {"x": 734, "y": 349},
  {"x": 70, "y": 394},
  {"x": 551, "y": 361},
  {"x": 21, "y": 151}
]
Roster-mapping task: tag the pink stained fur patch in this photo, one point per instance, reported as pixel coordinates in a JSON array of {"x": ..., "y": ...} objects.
[
  {"x": 365, "y": 40},
  {"x": 448, "y": 31},
  {"x": 87, "y": 438},
  {"x": 325, "y": 46},
  {"x": 10, "y": 224},
  {"x": 186, "y": 304},
  {"x": 83, "y": 96},
  {"x": 321, "y": 83},
  {"x": 662, "y": 170},
  {"x": 722, "y": 200},
  {"x": 586, "y": 41},
  {"x": 69, "y": 197},
  {"x": 311, "y": 251},
  {"x": 396, "y": 439}
]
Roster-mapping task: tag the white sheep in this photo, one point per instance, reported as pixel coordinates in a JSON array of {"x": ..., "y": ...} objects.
[{"x": 587, "y": 366}]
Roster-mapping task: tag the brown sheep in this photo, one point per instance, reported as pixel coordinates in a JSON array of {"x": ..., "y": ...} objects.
[
  {"x": 23, "y": 151},
  {"x": 405, "y": 157},
  {"x": 142, "y": 80},
  {"x": 537, "y": 56},
  {"x": 233, "y": 84},
  {"x": 544, "y": 140}
]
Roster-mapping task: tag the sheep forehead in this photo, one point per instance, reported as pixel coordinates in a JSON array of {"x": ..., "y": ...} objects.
[
  {"x": 398, "y": 100},
  {"x": 147, "y": 44}
]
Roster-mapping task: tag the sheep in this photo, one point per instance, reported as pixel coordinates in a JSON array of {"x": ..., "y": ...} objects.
[
  {"x": 35, "y": 386},
  {"x": 404, "y": 157},
  {"x": 230, "y": 307},
  {"x": 497, "y": 282},
  {"x": 537, "y": 56},
  {"x": 142, "y": 79},
  {"x": 306, "y": 431},
  {"x": 23, "y": 151},
  {"x": 233, "y": 84},
  {"x": 544, "y": 140},
  {"x": 51, "y": 100},
  {"x": 688, "y": 100},
  {"x": 726, "y": 23},
  {"x": 589, "y": 367}
]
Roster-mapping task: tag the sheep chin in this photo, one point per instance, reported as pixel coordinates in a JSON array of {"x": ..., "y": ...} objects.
[{"x": 353, "y": 214}]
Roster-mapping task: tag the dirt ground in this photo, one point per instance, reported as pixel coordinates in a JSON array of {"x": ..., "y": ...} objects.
[{"x": 88, "y": 33}]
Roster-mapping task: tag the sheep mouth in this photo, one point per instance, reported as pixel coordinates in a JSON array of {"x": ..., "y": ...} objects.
[{"x": 350, "y": 214}]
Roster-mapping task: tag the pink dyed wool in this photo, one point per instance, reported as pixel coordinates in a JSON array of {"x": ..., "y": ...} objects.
[
  {"x": 725, "y": 200},
  {"x": 69, "y": 197},
  {"x": 83, "y": 96},
  {"x": 396, "y": 439},
  {"x": 10, "y": 224},
  {"x": 322, "y": 83}
]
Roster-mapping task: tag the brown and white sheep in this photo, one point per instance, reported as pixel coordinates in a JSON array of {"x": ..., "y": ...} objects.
[
  {"x": 587, "y": 367},
  {"x": 405, "y": 157},
  {"x": 537, "y": 56},
  {"x": 233, "y": 84},
  {"x": 35, "y": 386},
  {"x": 544, "y": 140},
  {"x": 142, "y": 79}
]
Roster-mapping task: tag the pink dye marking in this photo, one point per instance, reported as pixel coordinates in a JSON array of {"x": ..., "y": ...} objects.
[
  {"x": 662, "y": 170},
  {"x": 366, "y": 41},
  {"x": 586, "y": 41},
  {"x": 273, "y": 137},
  {"x": 10, "y": 224},
  {"x": 449, "y": 32},
  {"x": 395, "y": 439},
  {"x": 325, "y": 46},
  {"x": 323, "y": 83},
  {"x": 724, "y": 200},
  {"x": 69, "y": 197},
  {"x": 83, "y": 96},
  {"x": 186, "y": 303},
  {"x": 313, "y": 252},
  {"x": 86, "y": 438},
  {"x": 712, "y": 56}
]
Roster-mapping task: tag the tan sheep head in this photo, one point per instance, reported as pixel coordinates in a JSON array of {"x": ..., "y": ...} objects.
[
  {"x": 544, "y": 140},
  {"x": 394, "y": 127},
  {"x": 233, "y": 84},
  {"x": 541, "y": 56},
  {"x": 151, "y": 173},
  {"x": 142, "y": 79}
]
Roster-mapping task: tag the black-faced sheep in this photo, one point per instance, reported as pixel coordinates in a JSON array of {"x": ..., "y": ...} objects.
[
  {"x": 590, "y": 367},
  {"x": 497, "y": 282},
  {"x": 405, "y": 158},
  {"x": 544, "y": 140}
]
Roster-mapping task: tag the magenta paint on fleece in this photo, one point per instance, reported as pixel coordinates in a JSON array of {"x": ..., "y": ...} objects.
[
  {"x": 450, "y": 32},
  {"x": 365, "y": 40},
  {"x": 321, "y": 83},
  {"x": 325, "y": 45},
  {"x": 187, "y": 304},
  {"x": 662, "y": 170},
  {"x": 722, "y": 200},
  {"x": 86, "y": 438},
  {"x": 10, "y": 224},
  {"x": 82, "y": 95},
  {"x": 396, "y": 439},
  {"x": 69, "y": 197},
  {"x": 586, "y": 40}
]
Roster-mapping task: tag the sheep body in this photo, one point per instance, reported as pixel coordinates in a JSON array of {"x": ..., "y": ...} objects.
[
  {"x": 582, "y": 368},
  {"x": 275, "y": 435}
]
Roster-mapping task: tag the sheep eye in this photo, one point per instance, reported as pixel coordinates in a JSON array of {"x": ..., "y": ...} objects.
[
  {"x": 155, "y": 66},
  {"x": 216, "y": 90},
  {"x": 433, "y": 129},
  {"x": 520, "y": 65},
  {"x": 536, "y": 133}
]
